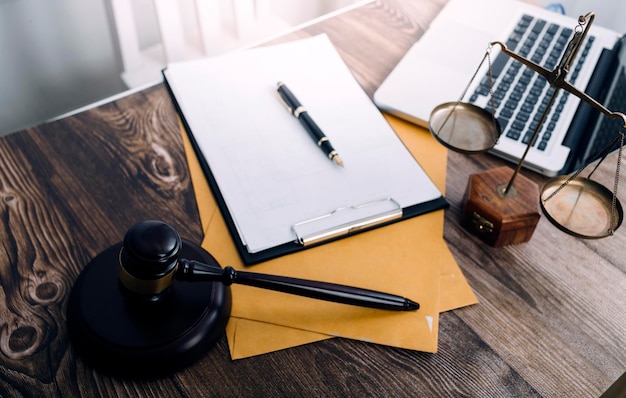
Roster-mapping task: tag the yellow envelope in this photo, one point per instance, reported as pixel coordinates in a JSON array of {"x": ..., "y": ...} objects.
[
  {"x": 249, "y": 338},
  {"x": 275, "y": 322}
]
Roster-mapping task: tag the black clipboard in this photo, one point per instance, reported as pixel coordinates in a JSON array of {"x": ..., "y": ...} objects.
[{"x": 362, "y": 216}]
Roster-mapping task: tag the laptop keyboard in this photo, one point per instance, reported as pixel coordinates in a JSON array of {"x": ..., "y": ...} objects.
[{"x": 521, "y": 95}]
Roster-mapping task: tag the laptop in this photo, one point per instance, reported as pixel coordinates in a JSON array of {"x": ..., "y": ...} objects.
[{"x": 440, "y": 65}]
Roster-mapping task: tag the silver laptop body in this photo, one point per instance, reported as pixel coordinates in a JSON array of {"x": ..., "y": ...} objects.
[{"x": 439, "y": 67}]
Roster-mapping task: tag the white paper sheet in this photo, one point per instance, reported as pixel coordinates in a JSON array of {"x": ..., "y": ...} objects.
[{"x": 268, "y": 169}]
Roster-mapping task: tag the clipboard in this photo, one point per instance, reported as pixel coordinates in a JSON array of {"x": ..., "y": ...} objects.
[{"x": 278, "y": 193}]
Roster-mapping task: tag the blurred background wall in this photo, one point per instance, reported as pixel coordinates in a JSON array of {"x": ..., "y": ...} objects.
[{"x": 60, "y": 55}]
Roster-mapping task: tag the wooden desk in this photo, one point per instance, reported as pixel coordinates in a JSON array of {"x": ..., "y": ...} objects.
[{"x": 551, "y": 318}]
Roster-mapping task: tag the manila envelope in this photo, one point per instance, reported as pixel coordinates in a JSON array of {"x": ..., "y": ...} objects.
[{"x": 382, "y": 259}]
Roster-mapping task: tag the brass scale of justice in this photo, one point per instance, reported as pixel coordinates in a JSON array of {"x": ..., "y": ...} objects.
[{"x": 576, "y": 205}]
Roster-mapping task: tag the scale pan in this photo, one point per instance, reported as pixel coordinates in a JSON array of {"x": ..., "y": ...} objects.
[
  {"x": 582, "y": 207},
  {"x": 464, "y": 127}
]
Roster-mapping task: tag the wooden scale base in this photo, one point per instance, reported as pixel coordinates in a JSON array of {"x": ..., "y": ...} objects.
[
  {"x": 143, "y": 339},
  {"x": 500, "y": 218}
]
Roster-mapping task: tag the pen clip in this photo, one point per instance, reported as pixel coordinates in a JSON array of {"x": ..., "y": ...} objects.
[{"x": 282, "y": 100}]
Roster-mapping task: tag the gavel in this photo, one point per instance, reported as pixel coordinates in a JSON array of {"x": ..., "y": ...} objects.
[
  {"x": 149, "y": 262},
  {"x": 154, "y": 303}
]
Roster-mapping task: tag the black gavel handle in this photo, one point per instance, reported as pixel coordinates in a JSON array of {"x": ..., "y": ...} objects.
[{"x": 190, "y": 270}]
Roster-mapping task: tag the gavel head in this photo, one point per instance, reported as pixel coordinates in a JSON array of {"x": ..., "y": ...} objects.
[
  {"x": 148, "y": 260},
  {"x": 126, "y": 316}
]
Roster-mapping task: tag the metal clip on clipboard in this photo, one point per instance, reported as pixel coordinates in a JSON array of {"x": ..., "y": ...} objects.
[{"x": 346, "y": 220}]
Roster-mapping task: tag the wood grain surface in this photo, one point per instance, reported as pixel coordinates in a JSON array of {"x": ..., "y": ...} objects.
[{"x": 551, "y": 319}]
